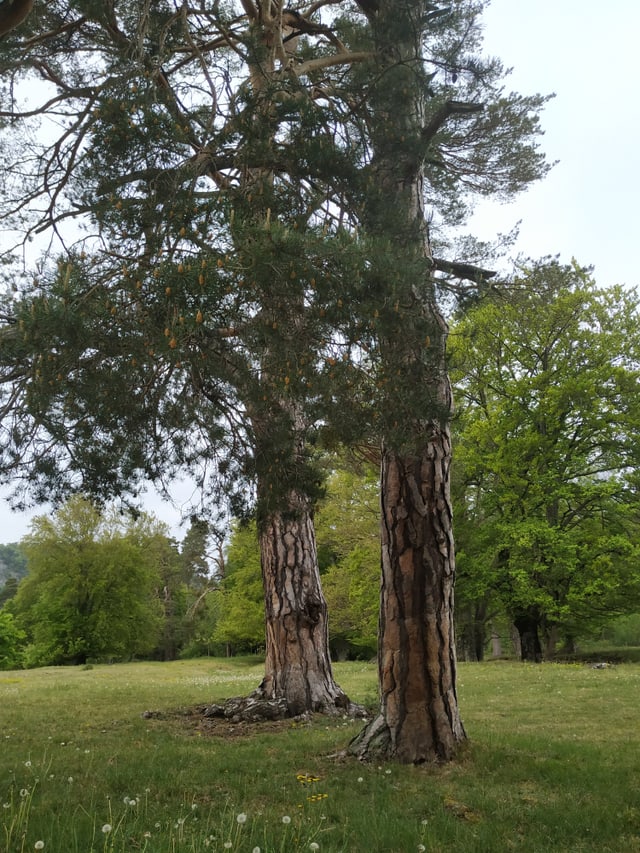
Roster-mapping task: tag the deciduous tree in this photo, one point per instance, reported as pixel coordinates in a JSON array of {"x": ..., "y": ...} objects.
[
  {"x": 92, "y": 588},
  {"x": 548, "y": 377}
]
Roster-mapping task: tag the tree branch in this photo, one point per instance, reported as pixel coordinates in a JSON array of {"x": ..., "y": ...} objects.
[
  {"x": 450, "y": 108},
  {"x": 468, "y": 272}
]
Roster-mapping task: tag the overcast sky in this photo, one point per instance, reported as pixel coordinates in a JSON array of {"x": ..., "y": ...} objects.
[{"x": 586, "y": 208}]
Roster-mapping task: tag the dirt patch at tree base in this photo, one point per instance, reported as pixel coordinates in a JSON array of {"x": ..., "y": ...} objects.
[{"x": 200, "y": 721}]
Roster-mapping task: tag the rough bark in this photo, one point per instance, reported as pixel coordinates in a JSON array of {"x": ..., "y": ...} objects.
[
  {"x": 297, "y": 665},
  {"x": 418, "y": 719}
]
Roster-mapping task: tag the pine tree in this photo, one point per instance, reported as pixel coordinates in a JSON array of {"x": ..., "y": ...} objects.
[
  {"x": 182, "y": 332},
  {"x": 430, "y": 133}
]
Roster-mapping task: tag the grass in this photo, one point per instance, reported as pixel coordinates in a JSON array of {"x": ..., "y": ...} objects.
[{"x": 552, "y": 766}]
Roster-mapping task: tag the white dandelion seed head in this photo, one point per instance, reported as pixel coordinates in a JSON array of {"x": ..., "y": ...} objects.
[
  {"x": 227, "y": 845},
  {"x": 286, "y": 819},
  {"x": 24, "y": 792},
  {"x": 421, "y": 848},
  {"x": 314, "y": 846},
  {"x": 241, "y": 818},
  {"x": 256, "y": 850},
  {"x": 27, "y": 764},
  {"x": 39, "y": 845},
  {"x": 360, "y": 779},
  {"x": 70, "y": 779},
  {"x": 106, "y": 828}
]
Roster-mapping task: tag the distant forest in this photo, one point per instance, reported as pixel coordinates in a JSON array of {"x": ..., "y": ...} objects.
[{"x": 13, "y": 563}]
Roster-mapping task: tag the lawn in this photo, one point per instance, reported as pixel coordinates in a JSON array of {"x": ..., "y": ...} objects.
[{"x": 552, "y": 766}]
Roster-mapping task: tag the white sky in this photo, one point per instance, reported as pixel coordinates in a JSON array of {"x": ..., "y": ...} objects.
[{"x": 586, "y": 208}]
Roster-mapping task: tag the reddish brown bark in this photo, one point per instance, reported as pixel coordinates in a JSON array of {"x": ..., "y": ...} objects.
[{"x": 418, "y": 719}]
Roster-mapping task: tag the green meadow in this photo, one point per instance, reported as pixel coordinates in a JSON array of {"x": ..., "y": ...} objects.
[{"x": 117, "y": 758}]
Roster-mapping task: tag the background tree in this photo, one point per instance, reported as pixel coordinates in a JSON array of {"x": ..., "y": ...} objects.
[
  {"x": 348, "y": 531},
  {"x": 240, "y": 624},
  {"x": 548, "y": 378},
  {"x": 91, "y": 590},
  {"x": 12, "y": 641},
  {"x": 13, "y": 566}
]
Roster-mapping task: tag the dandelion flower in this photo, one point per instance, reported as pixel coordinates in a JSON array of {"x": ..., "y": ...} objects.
[
  {"x": 24, "y": 792},
  {"x": 39, "y": 845},
  {"x": 421, "y": 848},
  {"x": 27, "y": 764},
  {"x": 314, "y": 846},
  {"x": 360, "y": 779},
  {"x": 70, "y": 779},
  {"x": 106, "y": 828},
  {"x": 286, "y": 819},
  {"x": 256, "y": 850},
  {"x": 242, "y": 818},
  {"x": 227, "y": 845}
]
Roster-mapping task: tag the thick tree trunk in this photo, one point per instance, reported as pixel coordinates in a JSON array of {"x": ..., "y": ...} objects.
[
  {"x": 526, "y": 623},
  {"x": 298, "y": 665},
  {"x": 496, "y": 644},
  {"x": 472, "y": 636},
  {"x": 418, "y": 719}
]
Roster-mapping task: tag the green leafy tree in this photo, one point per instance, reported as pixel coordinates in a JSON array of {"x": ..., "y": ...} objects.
[
  {"x": 549, "y": 381},
  {"x": 91, "y": 590},
  {"x": 8, "y": 590},
  {"x": 12, "y": 642},
  {"x": 241, "y": 622},
  {"x": 348, "y": 532}
]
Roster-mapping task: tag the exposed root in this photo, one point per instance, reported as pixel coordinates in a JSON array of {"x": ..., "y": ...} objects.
[{"x": 255, "y": 708}]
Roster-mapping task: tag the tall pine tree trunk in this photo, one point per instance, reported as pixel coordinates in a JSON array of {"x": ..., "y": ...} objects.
[
  {"x": 297, "y": 665},
  {"x": 418, "y": 719}
]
